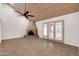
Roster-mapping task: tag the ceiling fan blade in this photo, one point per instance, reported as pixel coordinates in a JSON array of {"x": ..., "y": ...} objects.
[
  {"x": 19, "y": 12},
  {"x": 26, "y": 13},
  {"x": 26, "y": 16},
  {"x": 31, "y": 15}
]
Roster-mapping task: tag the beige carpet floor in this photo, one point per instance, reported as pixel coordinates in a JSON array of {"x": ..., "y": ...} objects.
[{"x": 34, "y": 46}]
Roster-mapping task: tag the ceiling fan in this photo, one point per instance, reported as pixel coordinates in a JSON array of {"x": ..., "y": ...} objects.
[{"x": 25, "y": 14}]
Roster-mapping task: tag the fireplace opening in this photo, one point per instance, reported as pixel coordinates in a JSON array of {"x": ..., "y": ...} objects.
[{"x": 30, "y": 33}]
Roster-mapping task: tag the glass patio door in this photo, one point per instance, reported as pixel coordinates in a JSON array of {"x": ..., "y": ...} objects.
[
  {"x": 54, "y": 30},
  {"x": 45, "y": 30},
  {"x": 51, "y": 30},
  {"x": 59, "y": 30}
]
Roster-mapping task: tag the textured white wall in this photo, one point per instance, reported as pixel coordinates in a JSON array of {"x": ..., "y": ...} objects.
[
  {"x": 0, "y": 25},
  {"x": 0, "y": 30},
  {"x": 71, "y": 27},
  {"x": 13, "y": 26}
]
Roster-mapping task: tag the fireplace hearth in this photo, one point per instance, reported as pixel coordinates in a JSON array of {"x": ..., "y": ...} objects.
[{"x": 30, "y": 33}]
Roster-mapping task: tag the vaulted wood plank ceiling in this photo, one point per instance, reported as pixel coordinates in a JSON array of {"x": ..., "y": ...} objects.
[{"x": 42, "y": 11}]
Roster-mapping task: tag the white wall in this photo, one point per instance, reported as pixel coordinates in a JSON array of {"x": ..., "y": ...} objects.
[
  {"x": 13, "y": 26},
  {"x": 0, "y": 25},
  {"x": 71, "y": 27},
  {"x": 0, "y": 30}
]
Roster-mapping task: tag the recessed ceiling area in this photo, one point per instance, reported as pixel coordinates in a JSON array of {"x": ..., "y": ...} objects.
[{"x": 43, "y": 11}]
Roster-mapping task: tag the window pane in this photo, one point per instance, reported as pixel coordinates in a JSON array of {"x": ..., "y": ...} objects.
[
  {"x": 51, "y": 30},
  {"x": 58, "y": 30},
  {"x": 45, "y": 30}
]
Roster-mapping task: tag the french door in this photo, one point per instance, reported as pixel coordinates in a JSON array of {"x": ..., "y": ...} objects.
[
  {"x": 45, "y": 30},
  {"x": 51, "y": 31},
  {"x": 59, "y": 30},
  {"x": 54, "y": 30}
]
